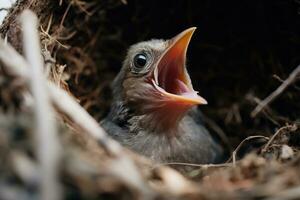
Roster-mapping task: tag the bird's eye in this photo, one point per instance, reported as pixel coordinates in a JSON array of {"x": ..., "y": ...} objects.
[{"x": 140, "y": 60}]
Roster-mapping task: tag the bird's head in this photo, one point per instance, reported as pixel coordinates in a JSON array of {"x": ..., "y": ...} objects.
[{"x": 154, "y": 82}]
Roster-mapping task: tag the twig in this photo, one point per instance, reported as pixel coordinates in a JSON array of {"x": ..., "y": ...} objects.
[
  {"x": 267, "y": 111},
  {"x": 280, "y": 80},
  {"x": 195, "y": 165},
  {"x": 64, "y": 16},
  {"x": 46, "y": 131},
  {"x": 4, "y": 9},
  {"x": 292, "y": 77},
  {"x": 124, "y": 2},
  {"x": 79, "y": 115},
  {"x": 284, "y": 129},
  {"x": 233, "y": 157}
]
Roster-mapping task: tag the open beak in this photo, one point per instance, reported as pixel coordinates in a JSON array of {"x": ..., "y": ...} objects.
[{"x": 170, "y": 76}]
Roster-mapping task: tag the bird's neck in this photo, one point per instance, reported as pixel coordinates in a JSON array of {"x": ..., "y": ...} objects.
[
  {"x": 161, "y": 120},
  {"x": 151, "y": 111}
]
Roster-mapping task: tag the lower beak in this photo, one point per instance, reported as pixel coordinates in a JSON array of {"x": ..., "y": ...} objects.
[{"x": 170, "y": 75}]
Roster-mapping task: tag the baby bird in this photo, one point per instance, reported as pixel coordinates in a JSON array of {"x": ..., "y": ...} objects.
[{"x": 154, "y": 109}]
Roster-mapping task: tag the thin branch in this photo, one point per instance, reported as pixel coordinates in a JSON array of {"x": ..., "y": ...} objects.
[
  {"x": 67, "y": 104},
  {"x": 275, "y": 76},
  {"x": 282, "y": 130},
  {"x": 292, "y": 77},
  {"x": 195, "y": 165},
  {"x": 4, "y": 9},
  {"x": 233, "y": 157},
  {"x": 267, "y": 111},
  {"x": 47, "y": 144},
  {"x": 64, "y": 16}
]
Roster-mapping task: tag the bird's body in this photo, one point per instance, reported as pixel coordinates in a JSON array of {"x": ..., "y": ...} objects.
[
  {"x": 193, "y": 144},
  {"x": 153, "y": 109}
]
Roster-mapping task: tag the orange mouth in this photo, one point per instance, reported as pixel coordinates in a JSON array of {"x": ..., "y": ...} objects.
[{"x": 170, "y": 76}]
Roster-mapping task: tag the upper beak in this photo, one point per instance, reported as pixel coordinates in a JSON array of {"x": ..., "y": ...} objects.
[{"x": 170, "y": 74}]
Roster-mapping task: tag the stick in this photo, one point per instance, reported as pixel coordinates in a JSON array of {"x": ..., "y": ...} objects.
[
  {"x": 284, "y": 129},
  {"x": 4, "y": 9},
  {"x": 292, "y": 77},
  {"x": 80, "y": 116},
  {"x": 195, "y": 165},
  {"x": 233, "y": 156},
  {"x": 47, "y": 144}
]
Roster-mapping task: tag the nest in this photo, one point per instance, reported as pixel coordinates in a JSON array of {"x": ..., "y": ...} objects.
[{"x": 244, "y": 60}]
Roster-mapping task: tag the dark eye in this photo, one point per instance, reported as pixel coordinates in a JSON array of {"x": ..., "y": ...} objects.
[{"x": 140, "y": 60}]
